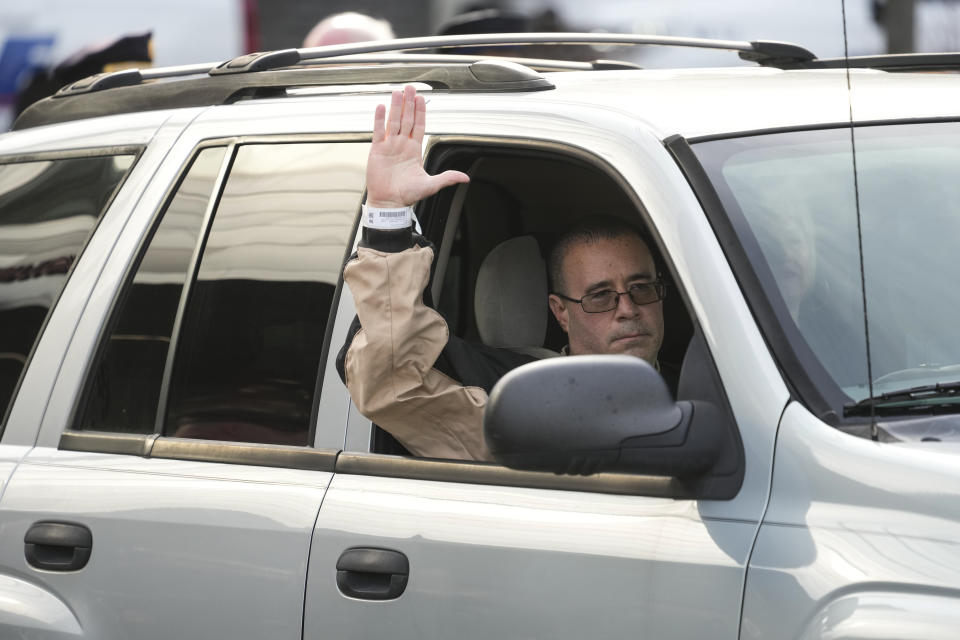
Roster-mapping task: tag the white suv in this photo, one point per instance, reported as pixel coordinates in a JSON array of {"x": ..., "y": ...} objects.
[{"x": 179, "y": 457}]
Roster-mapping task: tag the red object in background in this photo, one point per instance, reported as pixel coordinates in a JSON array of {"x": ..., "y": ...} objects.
[{"x": 251, "y": 20}]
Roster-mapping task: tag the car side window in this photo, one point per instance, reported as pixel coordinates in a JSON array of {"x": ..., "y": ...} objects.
[
  {"x": 48, "y": 210},
  {"x": 492, "y": 237},
  {"x": 239, "y": 294},
  {"x": 125, "y": 389}
]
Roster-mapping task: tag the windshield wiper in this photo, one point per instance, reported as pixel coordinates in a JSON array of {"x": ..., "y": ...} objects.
[{"x": 942, "y": 397}]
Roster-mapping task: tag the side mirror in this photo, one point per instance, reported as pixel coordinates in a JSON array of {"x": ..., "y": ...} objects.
[{"x": 585, "y": 414}]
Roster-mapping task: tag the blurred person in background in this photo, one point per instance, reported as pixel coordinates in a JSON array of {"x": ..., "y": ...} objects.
[
  {"x": 343, "y": 28},
  {"x": 479, "y": 18},
  {"x": 130, "y": 51}
]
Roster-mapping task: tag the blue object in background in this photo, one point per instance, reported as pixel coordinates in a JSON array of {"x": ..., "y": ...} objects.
[{"x": 20, "y": 55}]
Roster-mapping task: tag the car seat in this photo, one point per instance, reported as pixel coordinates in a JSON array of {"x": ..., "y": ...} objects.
[
  {"x": 510, "y": 298},
  {"x": 510, "y": 306}
]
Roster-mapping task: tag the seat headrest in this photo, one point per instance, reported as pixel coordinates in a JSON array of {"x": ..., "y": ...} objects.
[{"x": 510, "y": 300}]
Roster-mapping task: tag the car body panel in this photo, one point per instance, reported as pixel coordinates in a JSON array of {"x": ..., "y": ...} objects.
[
  {"x": 753, "y": 99},
  {"x": 857, "y": 527},
  {"x": 10, "y": 457},
  {"x": 866, "y": 615},
  {"x": 219, "y": 550},
  {"x": 336, "y": 406},
  {"x": 128, "y": 129},
  {"x": 28, "y": 608},
  {"x": 514, "y": 562}
]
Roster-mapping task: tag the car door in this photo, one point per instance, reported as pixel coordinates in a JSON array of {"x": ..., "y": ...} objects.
[
  {"x": 417, "y": 548},
  {"x": 180, "y": 466}
]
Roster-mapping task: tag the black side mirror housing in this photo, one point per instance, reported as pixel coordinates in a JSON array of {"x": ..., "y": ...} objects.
[{"x": 585, "y": 414}]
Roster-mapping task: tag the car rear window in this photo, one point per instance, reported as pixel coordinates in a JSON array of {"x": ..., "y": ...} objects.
[{"x": 48, "y": 209}]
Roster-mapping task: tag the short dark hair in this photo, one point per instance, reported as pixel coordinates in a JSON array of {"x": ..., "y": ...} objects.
[{"x": 589, "y": 229}]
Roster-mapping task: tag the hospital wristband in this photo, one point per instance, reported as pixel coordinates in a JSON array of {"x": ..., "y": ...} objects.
[{"x": 383, "y": 218}]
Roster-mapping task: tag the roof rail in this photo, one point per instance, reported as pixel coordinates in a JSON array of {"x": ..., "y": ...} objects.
[
  {"x": 87, "y": 102},
  {"x": 761, "y": 51},
  {"x": 269, "y": 73},
  {"x": 537, "y": 64}
]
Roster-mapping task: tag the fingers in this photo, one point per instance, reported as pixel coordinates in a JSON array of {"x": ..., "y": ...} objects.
[
  {"x": 409, "y": 103},
  {"x": 419, "y": 119},
  {"x": 393, "y": 119},
  {"x": 455, "y": 177},
  {"x": 446, "y": 179},
  {"x": 407, "y": 117},
  {"x": 378, "y": 118}
]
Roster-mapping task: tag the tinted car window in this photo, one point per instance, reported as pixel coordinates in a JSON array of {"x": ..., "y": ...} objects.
[
  {"x": 792, "y": 198},
  {"x": 255, "y": 324},
  {"x": 48, "y": 210},
  {"x": 125, "y": 388},
  {"x": 248, "y": 331}
]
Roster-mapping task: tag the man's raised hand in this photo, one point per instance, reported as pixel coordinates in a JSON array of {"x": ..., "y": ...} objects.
[{"x": 395, "y": 175}]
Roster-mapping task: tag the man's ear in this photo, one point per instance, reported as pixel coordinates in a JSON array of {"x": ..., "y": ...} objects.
[{"x": 560, "y": 311}]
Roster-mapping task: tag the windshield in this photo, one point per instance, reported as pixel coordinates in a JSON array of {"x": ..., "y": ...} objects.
[{"x": 792, "y": 201}]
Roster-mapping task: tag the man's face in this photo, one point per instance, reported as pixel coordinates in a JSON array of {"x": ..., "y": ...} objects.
[{"x": 616, "y": 264}]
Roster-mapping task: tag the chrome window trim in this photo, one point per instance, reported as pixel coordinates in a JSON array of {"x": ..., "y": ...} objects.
[
  {"x": 487, "y": 473},
  {"x": 72, "y": 154},
  {"x": 264, "y": 455},
  {"x": 244, "y": 453},
  {"x": 105, "y": 442}
]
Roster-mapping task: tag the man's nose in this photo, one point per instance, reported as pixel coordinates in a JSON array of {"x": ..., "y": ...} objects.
[{"x": 626, "y": 307}]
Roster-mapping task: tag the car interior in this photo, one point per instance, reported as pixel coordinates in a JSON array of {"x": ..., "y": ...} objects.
[{"x": 493, "y": 235}]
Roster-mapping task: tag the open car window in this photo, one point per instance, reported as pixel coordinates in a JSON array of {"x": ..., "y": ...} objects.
[{"x": 518, "y": 202}]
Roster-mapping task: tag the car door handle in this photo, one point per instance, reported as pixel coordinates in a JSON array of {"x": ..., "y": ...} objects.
[
  {"x": 58, "y": 546},
  {"x": 372, "y": 574}
]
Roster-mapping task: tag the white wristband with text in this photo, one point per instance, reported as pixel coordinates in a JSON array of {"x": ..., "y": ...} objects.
[{"x": 394, "y": 218}]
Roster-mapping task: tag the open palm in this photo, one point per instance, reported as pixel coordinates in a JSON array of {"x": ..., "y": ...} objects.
[{"x": 395, "y": 175}]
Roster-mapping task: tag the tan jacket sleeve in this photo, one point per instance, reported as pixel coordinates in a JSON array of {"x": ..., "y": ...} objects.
[{"x": 389, "y": 365}]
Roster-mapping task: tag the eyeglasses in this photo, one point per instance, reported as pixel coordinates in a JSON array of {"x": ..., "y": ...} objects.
[{"x": 640, "y": 294}]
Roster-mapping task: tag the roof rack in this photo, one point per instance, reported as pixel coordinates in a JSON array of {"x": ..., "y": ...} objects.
[
  {"x": 271, "y": 73},
  {"x": 537, "y": 64},
  {"x": 760, "y": 51},
  {"x": 130, "y": 77},
  {"x": 91, "y": 98}
]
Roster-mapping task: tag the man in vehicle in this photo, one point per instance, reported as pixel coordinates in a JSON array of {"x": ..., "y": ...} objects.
[{"x": 403, "y": 368}]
